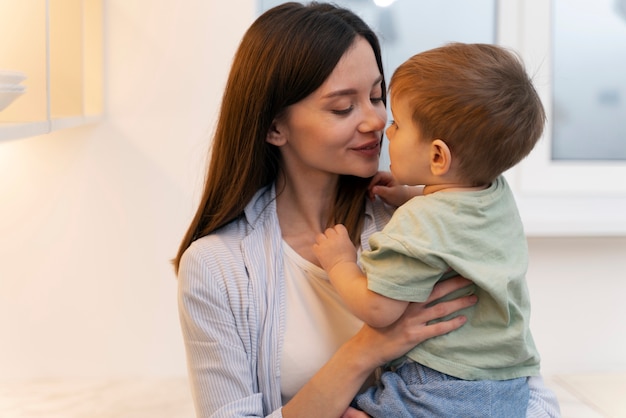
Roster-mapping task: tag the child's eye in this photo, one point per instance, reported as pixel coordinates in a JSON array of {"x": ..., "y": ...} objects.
[
  {"x": 376, "y": 99},
  {"x": 392, "y": 123}
]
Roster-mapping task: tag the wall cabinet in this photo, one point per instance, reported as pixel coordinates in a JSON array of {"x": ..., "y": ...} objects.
[{"x": 58, "y": 46}]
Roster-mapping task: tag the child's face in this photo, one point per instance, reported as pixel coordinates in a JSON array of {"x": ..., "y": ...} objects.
[{"x": 409, "y": 152}]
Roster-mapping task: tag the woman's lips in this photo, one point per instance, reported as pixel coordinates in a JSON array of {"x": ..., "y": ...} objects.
[{"x": 370, "y": 149}]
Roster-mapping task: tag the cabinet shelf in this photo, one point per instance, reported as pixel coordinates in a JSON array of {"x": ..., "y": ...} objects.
[{"x": 57, "y": 44}]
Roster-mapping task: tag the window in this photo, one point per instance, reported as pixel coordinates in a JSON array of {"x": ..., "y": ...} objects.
[{"x": 560, "y": 192}]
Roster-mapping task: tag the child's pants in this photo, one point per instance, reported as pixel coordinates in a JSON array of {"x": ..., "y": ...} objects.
[{"x": 414, "y": 390}]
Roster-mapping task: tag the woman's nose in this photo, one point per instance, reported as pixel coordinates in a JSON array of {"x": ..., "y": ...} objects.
[{"x": 374, "y": 118}]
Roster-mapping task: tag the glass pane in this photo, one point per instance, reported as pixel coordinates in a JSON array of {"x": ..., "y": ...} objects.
[
  {"x": 589, "y": 80},
  {"x": 406, "y": 27}
]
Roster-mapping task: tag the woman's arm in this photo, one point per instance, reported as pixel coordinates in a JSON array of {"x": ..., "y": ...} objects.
[
  {"x": 219, "y": 357},
  {"x": 332, "y": 388}
]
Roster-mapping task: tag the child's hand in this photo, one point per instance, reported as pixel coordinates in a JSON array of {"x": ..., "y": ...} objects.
[
  {"x": 382, "y": 178},
  {"x": 334, "y": 247},
  {"x": 390, "y": 191}
]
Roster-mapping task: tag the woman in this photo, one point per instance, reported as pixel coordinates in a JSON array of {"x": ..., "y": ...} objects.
[{"x": 296, "y": 145}]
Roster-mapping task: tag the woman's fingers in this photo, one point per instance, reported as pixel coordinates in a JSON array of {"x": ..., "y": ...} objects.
[
  {"x": 442, "y": 328},
  {"x": 440, "y": 310},
  {"x": 446, "y": 287},
  {"x": 421, "y": 316}
]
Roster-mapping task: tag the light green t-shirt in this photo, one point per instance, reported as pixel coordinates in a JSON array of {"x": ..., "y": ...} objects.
[{"x": 480, "y": 236}]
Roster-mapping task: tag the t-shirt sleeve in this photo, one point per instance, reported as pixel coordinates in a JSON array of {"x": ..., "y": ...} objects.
[{"x": 400, "y": 272}]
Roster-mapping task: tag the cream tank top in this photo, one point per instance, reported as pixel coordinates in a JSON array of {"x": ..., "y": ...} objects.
[{"x": 317, "y": 322}]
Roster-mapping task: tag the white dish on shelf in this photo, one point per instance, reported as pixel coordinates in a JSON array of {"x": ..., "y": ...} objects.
[
  {"x": 8, "y": 88},
  {"x": 11, "y": 77},
  {"x": 7, "y": 97}
]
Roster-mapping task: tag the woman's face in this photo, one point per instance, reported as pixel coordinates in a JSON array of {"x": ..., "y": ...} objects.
[{"x": 338, "y": 128}]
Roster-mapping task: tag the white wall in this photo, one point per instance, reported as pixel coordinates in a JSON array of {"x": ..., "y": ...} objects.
[
  {"x": 577, "y": 289},
  {"x": 89, "y": 217}
]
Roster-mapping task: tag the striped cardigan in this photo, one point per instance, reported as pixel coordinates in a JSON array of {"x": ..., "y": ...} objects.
[{"x": 232, "y": 306}]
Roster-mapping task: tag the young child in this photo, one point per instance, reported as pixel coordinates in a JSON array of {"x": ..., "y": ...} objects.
[{"x": 463, "y": 114}]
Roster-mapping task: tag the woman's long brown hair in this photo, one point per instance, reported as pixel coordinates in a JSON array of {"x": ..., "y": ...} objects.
[{"x": 285, "y": 55}]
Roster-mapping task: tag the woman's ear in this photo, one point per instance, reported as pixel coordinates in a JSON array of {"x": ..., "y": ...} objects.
[
  {"x": 440, "y": 157},
  {"x": 275, "y": 135}
]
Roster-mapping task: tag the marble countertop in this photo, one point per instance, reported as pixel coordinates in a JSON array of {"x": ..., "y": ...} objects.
[
  {"x": 96, "y": 398},
  {"x": 580, "y": 396}
]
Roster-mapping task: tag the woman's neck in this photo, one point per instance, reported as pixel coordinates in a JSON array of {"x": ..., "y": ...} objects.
[{"x": 303, "y": 207}]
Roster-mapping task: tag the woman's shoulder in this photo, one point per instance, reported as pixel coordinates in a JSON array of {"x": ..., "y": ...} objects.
[
  {"x": 222, "y": 250},
  {"x": 223, "y": 240},
  {"x": 217, "y": 251}
]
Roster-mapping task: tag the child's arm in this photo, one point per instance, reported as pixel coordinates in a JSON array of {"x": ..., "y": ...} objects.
[
  {"x": 337, "y": 256},
  {"x": 390, "y": 191}
]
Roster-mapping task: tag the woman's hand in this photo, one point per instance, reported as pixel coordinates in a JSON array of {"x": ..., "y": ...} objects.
[
  {"x": 377, "y": 346},
  {"x": 390, "y": 191}
]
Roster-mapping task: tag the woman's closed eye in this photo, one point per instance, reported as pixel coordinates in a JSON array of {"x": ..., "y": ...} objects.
[
  {"x": 343, "y": 111},
  {"x": 347, "y": 110}
]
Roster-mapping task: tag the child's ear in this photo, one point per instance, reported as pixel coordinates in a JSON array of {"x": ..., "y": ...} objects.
[
  {"x": 440, "y": 157},
  {"x": 275, "y": 135}
]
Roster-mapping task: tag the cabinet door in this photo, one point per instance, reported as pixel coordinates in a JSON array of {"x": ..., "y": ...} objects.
[
  {"x": 93, "y": 58},
  {"x": 23, "y": 49},
  {"x": 66, "y": 58}
]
